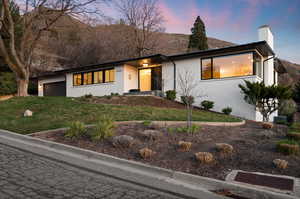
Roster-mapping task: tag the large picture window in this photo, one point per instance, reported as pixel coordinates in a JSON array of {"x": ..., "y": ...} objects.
[
  {"x": 231, "y": 66},
  {"x": 96, "y": 77}
]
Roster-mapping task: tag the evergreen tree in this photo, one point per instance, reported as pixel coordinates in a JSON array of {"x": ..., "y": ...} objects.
[{"x": 198, "y": 39}]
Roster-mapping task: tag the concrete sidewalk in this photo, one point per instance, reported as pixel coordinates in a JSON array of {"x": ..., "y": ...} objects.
[{"x": 178, "y": 183}]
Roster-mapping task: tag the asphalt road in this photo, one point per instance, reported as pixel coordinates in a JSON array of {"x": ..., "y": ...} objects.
[{"x": 27, "y": 176}]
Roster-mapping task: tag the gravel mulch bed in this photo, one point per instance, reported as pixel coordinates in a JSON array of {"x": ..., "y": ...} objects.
[{"x": 254, "y": 149}]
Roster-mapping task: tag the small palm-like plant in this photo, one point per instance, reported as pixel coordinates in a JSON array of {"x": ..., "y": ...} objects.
[
  {"x": 104, "y": 128},
  {"x": 76, "y": 130}
]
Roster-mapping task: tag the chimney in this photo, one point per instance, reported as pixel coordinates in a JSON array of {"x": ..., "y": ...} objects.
[{"x": 265, "y": 34}]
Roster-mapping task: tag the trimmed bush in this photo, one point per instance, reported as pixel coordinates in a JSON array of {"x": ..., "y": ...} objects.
[
  {"x": 224, "y": 148},
  {"x": 104, "y": 128},
  {"x": 146, "y": 123},
  {"x": 187, "y": 100},
  {"x": 207, "y": 105},
  {"x": 8, "y": 83},
  {"x": 288, "y": 108},
  {"x": 280, "y": 164},
  {"x": 294, "y": 135},
  {"x": 76, "y": 130},
  {"x": 288, "y": 147},
  {"x": 146, "y": 153},
  {"x": 171, "y": 95},
  {"x": 227, "y": 110},
  {"x": 267, "y": 125}
]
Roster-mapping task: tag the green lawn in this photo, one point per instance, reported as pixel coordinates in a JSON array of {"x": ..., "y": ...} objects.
[{"x": 57, "y": 112}]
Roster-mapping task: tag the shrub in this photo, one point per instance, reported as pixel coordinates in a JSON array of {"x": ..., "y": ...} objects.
[
  {"x": 288, "y": 108},
  {"x": 88, "y": 96},
  {"x": 187, "y": 100},
  {"x": 280, "y": 164},
  {"x": 294, "y": 135},
  {"x": 8, "y": 83},
  {"x": 104, "y": 128},
  {"x": 146, "y": 123},
  {"x": 207, "y": 105},
  {"x": 193, "y": 129},
  {"x": 288, "y": 147},
  {"x": 114, "y": 94},
  {"x": 76, "y": 130},
  {"x": 171, "y": 95},
  {"x": 227, "y": 110}
]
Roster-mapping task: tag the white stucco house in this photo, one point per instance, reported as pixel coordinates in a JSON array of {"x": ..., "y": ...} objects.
[{"x": 217, "y": 73}]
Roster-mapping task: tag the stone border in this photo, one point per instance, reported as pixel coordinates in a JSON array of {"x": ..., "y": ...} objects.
[
  {"x": 296, "y": 189},
  {"x": 166, "y": 180},
  {"x": 157, "y": 123}
]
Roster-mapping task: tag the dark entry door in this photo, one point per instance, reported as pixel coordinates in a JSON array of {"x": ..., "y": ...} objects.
[
  {"x": 55, "y": 89},
  {"x": 156, "y": 78}
]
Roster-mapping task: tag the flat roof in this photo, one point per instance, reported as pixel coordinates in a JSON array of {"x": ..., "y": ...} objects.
[{"x": 261, "y": 46}]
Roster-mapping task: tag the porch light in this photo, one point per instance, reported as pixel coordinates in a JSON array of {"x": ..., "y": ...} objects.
[{"x": 145, "y": 65}]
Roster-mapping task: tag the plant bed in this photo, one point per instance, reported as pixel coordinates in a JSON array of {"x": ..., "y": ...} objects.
[{"x": 251, "y": 152}]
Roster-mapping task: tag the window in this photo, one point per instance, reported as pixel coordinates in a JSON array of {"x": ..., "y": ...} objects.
[
  {"x": 87, "y": 78},
  {"x": 231, "y": 66},
  {"x": 94, "y": 77},
  {"x": 110, "y": 75},
  {"x": 98, "y": 77},
  {"x": 77, "y": 80},
  {"x": 206, "y": 68}
]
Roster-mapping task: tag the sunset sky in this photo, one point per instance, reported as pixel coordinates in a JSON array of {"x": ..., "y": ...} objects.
[{"x": 237, "y": 20}]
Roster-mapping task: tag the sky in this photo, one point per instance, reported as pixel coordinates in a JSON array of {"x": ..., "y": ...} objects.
[{"x": 237, "y": 21}]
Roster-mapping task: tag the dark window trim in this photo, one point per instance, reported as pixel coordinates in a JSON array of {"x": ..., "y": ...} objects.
[
  {"x": 103, "y": 76},
  {"x": 232, "y": 54}
]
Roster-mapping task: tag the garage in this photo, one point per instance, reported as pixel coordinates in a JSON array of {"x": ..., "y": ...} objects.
[{"x": 55, "y": 89}]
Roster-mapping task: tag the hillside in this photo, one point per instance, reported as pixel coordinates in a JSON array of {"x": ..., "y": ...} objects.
[{"x": 74, "y": 44}]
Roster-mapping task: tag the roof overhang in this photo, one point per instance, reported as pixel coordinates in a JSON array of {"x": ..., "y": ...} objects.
[{"x": 262, "y": 47}]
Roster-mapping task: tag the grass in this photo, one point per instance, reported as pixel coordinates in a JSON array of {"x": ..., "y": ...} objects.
[{"x": 58, "y": 112}]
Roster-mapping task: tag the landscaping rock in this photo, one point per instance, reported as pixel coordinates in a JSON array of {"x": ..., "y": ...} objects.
[
  {"x": 267, "y": 125},
  {"x": 224, "y": 148},
  {"x": 28, "y": 113},
  {"x": 123, "y": 141},
  {"x": 184, "y": 146},
  {"x": 151, "y": 134},
  {"x": 204, "y": 157},
  {"x": 280, "y": 164},
  {"x": 146, "y": 153}
]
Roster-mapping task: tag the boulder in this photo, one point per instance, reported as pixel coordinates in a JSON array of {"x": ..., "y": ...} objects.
[
  {"x": 151, "y": 134},
  {"x": 224, "y": 148},
  {"x": 184, "y": 146},
  {"x": 123, "y": 141},
  {"x": 146, "y": 153},
  {"x": 267, "y": 125},
  {"x": 204, "y": 157},
  {"x": 28, "y": 113},
  {"x": 280, "y": 164}
]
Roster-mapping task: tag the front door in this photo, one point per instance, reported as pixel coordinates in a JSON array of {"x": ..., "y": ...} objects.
[
  {"x": 145, "y": 79},
  {"x": 150, "y": 79}
]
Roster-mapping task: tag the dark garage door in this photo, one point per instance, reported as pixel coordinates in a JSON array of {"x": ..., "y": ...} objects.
[{"x": 55, "y": 89}]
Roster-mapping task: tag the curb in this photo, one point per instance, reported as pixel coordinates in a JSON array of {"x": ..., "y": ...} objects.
[
  {"x": 166, "y": 180},
  {"x": 157, "y": 123}
]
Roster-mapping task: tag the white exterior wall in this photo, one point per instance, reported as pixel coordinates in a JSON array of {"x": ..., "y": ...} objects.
[
  {"x": 167, "y": 76},
  {"x": 41, "y": 83},
  {"x": 224, "y": 92},
  {"x": 130, "y": 78},
  {"x": 97, "y": 89}
]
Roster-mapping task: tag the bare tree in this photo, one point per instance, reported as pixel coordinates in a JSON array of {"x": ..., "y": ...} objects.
[
  {"x": 39, "y": 16},
  {"x": 145, "y": 18},
  {"x": 187, "y": 92}
]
